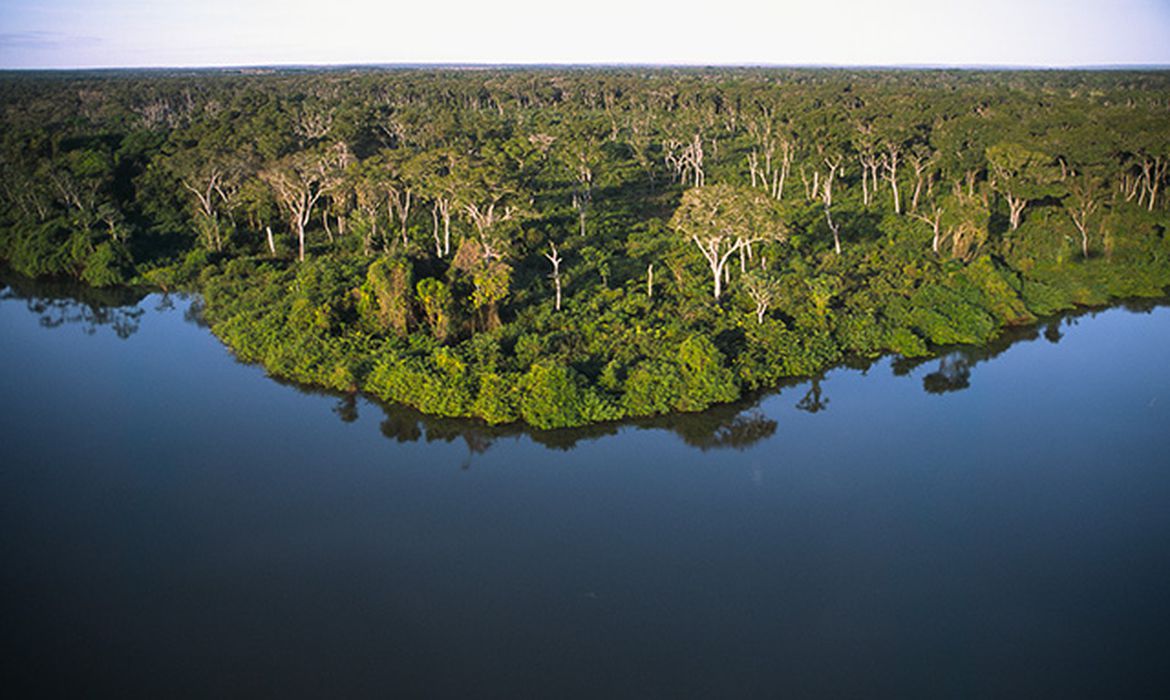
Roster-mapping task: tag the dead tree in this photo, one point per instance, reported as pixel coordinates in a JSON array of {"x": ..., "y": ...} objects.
[
  {"x": 890, "y": 163},
  {"x": 935, "y": 223},
  {"x": 555, "y": 258},
  {"x": 1086, "y": 199},
  {"x": 921, "y": 162}
]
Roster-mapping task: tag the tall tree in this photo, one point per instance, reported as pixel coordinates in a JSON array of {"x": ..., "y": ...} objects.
[
  {"x": 299, "y": 181},
  {"x": 722, "y": 220},
  {"x": 1021, "y": 175},
  {"x": 1084, "y": 200}
]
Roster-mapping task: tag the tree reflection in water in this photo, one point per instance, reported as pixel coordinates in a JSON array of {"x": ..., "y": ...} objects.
[
  {"x": 59, "y": 303},
  {"x": 733, "y": 426},
  {"x": 814, "y": 400}
]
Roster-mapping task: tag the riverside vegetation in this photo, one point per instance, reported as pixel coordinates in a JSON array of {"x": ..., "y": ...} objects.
[{"x": 571, "y": 246}]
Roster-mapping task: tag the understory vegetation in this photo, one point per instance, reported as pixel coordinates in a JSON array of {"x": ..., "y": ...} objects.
[{"x": 569, "y": 246}]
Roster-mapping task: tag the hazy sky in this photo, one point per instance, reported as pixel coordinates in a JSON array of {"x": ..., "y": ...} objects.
[{"x": 93, "y": 33}]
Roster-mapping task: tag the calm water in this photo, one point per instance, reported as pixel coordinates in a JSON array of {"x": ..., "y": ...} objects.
[{"x": 177, "y": 524}]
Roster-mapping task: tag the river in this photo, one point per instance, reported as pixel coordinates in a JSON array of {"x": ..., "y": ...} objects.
[{"x": 990, "y": 523}]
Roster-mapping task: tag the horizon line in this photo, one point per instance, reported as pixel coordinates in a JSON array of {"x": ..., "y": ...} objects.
[{"x": 596, "y": 64}]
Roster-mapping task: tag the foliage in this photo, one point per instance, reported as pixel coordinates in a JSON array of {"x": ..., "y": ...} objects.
[{"x": 387, "y": 230}]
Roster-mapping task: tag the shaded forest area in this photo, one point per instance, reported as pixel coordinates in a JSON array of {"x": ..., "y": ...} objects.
[{"x": 570, "y": 246}]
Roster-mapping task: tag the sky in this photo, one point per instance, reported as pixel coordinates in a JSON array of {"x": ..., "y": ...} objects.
[{"x": 143, "y": 33}]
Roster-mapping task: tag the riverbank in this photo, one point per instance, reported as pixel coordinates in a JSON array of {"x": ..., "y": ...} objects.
[{"x": 622, "y": 357}]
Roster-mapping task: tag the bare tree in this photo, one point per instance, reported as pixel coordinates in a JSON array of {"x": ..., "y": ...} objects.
[
  {"x": 890, "y": 163},
  {"x": 934, "y": 220},
  {"x": 1086, "y": 199},
  {"x": 780, "y": 174},
  {"x": 1154, "y": 170},
  {"x": 834, "y": 165},
  {"x": 370, "y": 198},
  {"x": 313, "y": 124},
  {"x": 400, "y": 198},
  {"x": 298, "y": 182},
  {"x": 763, "y": 288},
  {"x": 555, "y": 258},
  {"x": 921, "y": 161},
  {"x": 827, "y": 199},
  {"x": 209, "y": 197},
  {"x": 870, "y": 165},
  {"x": 485, "y": 220},
  {"x": 686, "y": 161},
  {"x": 835, "y": 228}
]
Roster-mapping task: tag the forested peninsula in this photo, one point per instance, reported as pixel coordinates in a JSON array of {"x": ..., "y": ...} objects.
[{"x": 564, "y": 246}]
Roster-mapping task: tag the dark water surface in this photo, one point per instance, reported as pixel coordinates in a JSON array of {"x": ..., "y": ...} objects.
[{"x": 174, "y": 523}]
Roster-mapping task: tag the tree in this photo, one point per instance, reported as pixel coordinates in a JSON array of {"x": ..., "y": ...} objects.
[
  {"x": 827, "y": 199},
  {"x": 435, "y": 299},
  {"x": 686, "y": 160},
  {"x": 921, "y": 159},
  {"x": 934, "y": 220},
  {"x": 582, "y": 159},
  {"x": 1021, "y": 175},
  {"x": 491, "y": 277},
  {"x": 722, "y": 220},
  {"x": 554, "y": 258},
  {"x": 384, "y": 299},
  {"x": 299, "y": 181},
  {"x": 764, "y": 288},
  {"x": 1085, "y": 199},
  {"x": 437, "y": 182},
  {"x": 890, "y": 163},
  {"x": 215, "y": 186},
  {"x": 486, "y": 218}
]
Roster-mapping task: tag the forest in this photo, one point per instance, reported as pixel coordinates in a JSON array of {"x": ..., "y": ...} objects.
[{"x": 569, "y": 246}]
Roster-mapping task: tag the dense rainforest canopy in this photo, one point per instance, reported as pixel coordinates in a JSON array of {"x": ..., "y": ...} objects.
[{"x": 567, "y": 246}]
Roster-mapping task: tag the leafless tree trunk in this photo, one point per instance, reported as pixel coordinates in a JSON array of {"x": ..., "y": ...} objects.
[
  {"x": 298, "y": 196},
  {"x": 716, "y": 257},
  {"x": 861, "y": 159},
  {"x": 484, "y": 219},
  {"x": 890, "y": 162},
  {"x": 835, "y": 228},
  {"x": 1085, "y": 193},
  {"x": 325, "y": 223},
  {"x": 827, "y": 189},
  {"x": 921, "y": 164},
  {"x": 444, "y": 205},
  {"x": 763, "y": 292},
  {"x": 935, "y": 223},
  {"x": 435, "y": 229},
  {"x": 1015, "y": 208},
  {"x": 207, "y": 198},
  {"x": 686, "y": 161},
  {"x": 1153, "y": 172},
  {"x": 298, "y": 186},
  {"x": 781, "y": 173},
  {"x": 555, "y": 258},
  {"x": 400, "y": 199}
]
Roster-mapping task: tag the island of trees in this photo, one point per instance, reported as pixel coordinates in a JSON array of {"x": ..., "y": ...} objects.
[{"x": 572, "y": 246}]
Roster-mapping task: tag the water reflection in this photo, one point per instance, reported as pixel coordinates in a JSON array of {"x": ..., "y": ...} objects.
[
  {"x": 59, "y": 303},
  {"x": 954, "y": 365},
  {"x": 814, "y": 400},
  {"x": 736, "y": 426}
]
